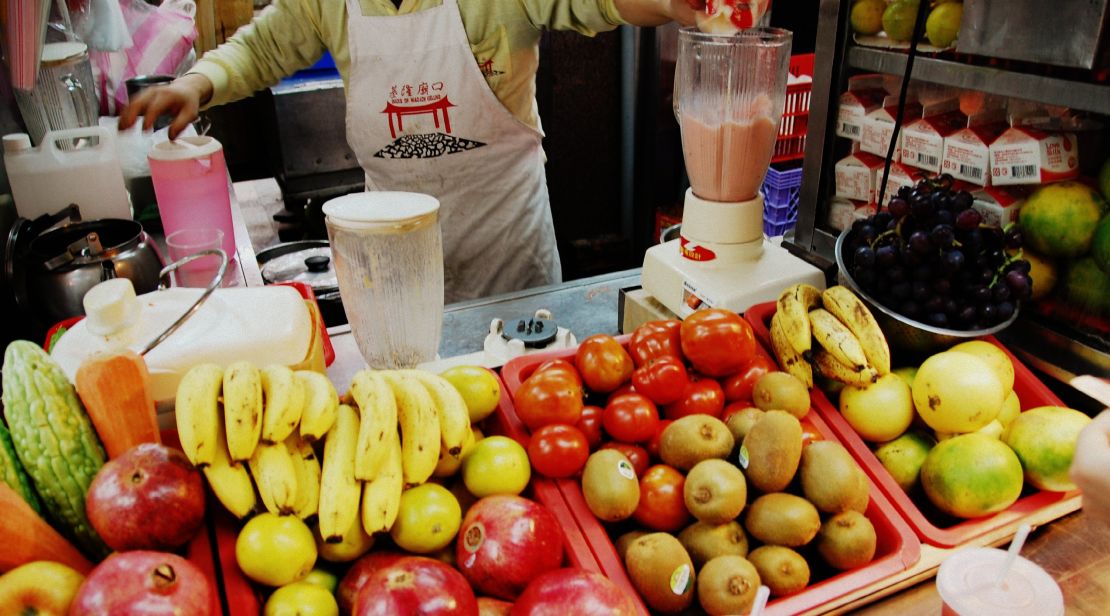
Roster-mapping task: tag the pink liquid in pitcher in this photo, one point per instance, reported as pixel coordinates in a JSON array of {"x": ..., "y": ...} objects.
[{"x": 727, "y": 161}]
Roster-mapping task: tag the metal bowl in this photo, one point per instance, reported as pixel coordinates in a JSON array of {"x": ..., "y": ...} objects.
[{"x": 903, "y": 332}]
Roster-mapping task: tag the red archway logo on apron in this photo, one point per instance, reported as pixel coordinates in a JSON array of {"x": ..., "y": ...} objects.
[{"x": 421, "y": 99}]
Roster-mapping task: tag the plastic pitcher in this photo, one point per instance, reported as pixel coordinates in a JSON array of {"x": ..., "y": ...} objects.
[{"x": 192, "y": 186}]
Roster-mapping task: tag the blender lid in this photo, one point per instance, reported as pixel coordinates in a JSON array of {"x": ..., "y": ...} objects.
[
  {"x": 306, "y": 262},
  {"x": 372, "y": 208}
]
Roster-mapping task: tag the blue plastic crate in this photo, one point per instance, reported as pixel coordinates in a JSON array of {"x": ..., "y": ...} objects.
[{"x": 780, "y": 191}]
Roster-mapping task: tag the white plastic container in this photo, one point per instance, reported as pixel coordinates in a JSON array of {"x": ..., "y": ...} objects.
[{"x": 47, "y": 178}]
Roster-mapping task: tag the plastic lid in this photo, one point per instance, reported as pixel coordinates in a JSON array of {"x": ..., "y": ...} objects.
[
  {"x": 371, "y": 209},
  {"x": 312, "y": 266},
  {"x": 967, "y": 584},
  {"x": 111, "y": 306},
  {"x": 60, "y": 52},
  {"x": 16, "y": 142},
  {"x": 185, "y": 148}
]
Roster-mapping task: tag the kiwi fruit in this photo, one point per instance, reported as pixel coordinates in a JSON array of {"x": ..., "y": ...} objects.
[
  {"x": 782, "y": 519},
  {"x": 610, "y": 486},
  {"x": 661, "y": 571},
  {"x": 847, "y": 540},
  {"x": 626, "y": 540},
  {"x": 740, "y": 422},
  {"x": 781, "y": 569},
  {"x": 705, "y": 542},
  {"x": 774, "y": 449},
  {"x": 832, "y": 480},
  {"x": 694, "y": 438},
  {"x": 715, "y": 491},
  {"x": 781, "y": 391},
  {"x": 728, "y": 585}
]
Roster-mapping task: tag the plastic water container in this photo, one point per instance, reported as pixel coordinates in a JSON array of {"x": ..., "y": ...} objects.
[{"x": 47, "y": 178}]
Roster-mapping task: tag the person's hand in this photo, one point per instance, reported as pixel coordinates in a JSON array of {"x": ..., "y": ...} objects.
[
  {"x": 1090, "y": 469},
  {"x": 697, "y": 5},
  {"x": 181, "y": 99}
]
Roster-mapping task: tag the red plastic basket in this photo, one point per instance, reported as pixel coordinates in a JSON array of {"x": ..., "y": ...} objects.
[
  {"x": 897, "y": 549},
  {"x": 791, "y": 142},
  {"x": 931, "y": 525}
]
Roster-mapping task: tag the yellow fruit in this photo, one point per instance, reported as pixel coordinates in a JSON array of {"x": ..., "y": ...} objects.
[
  {"x": 1044, "y": 440},
  {"x": 323, "y": 578},
  {"x": 879, "y": 412},
  {"x": 908, "y": 373},
  {"x": 995, "y": 357},
  {"x": 275, "y": 550},
  {"x": 903, "y": 457},
  {"x": 1043, "y": 273},
  {"x": 479, "y": 387},
  {"x": 354, "y": 543},
  {"x": 971, "y": 475},
  {"x": 993, "y": 429},
  {"x": 867, "y": 16},
  {"x": 1059, "y": 220},
  {"x": 957, "y": 392},
  {"x": 427, "y": 520},
  {"x": 448, "y": 465},
  {"x": 496, "y": 465},
  {"x": 301, "y": 599},
  {"x": 1011, "y": 408},
  {"x": 38, "y": 587},
  {"x": 943, "y": 24},
  {"x": 898, "y": 19}
]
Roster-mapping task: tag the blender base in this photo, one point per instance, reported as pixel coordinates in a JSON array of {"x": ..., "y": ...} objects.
[{"x": 683, "y": 285}]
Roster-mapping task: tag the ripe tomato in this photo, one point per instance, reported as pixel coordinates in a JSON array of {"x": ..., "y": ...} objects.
[
  {"x": 662, "y": 506},
  {"x": 630, "y": 418},
  {"x": 717, "y": 342},
  {"x": 558, "y": 450},
  {"x": 590, "y": 425},
  {"x": 603, "y": 363},
  {"x": 739, "y": 386},
  {"x": 653, "y": 443},
  {"x": 559, "y": 366},
  {"x": 627, "y": 388},
  {"x": 549, "y": 397},
  {"x": 655, "y": 339},
  {"x": 637, "y": 456},
  {"x": 702, "y": 397},
  {"x": 662, "y": 379}
]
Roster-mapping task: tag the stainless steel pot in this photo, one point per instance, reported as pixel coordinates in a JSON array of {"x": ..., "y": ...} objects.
[{"x": 307, "y": 261}]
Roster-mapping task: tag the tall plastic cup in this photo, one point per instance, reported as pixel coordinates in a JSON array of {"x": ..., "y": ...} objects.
[
  {"x": 968, "y": 583},
  {"x": 388, "y": 255},
  {"x": 191, "y": 186}
]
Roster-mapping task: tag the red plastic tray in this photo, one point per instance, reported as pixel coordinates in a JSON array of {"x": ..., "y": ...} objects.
[
  {"x": 897, "y": 549},
  {"x": 931, "y": 525}
]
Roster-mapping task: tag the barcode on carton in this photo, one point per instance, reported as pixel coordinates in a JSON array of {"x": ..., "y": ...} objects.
[
  {"x": 971, "y": 172},
  {"x": 850, "y": 129},
  {"x": 925, "y": 159},
  {"x": 1023, "y": 171}
]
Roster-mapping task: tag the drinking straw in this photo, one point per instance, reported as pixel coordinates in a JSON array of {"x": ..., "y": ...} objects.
[
  {"x": 761, "y": 597},
  {"x": 1012, "y": 553}
]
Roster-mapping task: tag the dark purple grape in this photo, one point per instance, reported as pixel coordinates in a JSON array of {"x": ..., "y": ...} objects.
[
  {"x": 986, "y": 274},
  {"x": 864, "y": 257},
  {"x": 867, "y": 233},
  {"x": 857, "y": 225},
  {"x": 980, "y": 295},
  {"x": 900, "y": 290},
  {"x": 942, "y": 286},
  {"x": 898, "y": 206},
  {"x": 896, "y": 274},
  {"x": 934, "y": 304},
  {"x": 1013, "y": 238},
  {"x": 951, "y": 307},
  {"x": 881, "y": 220},
  {"x": 968, "y": 219},
  {"x": 922, "y": 209},
  {"x": 953, "y": 260},
  {"x": 945, "y": 217},
  {"x": 973, "y": 241},
  {"x": 1017, "y": 282},
  {"x": 920, "y": 291},
  {"x": 942, "y": 236},
  {"x": 886, "y": 256},
  {"x": 865, "y": 278},
  {"x": 938, "y": 319},
  {"x": 992, "y": 238},
  {"x": 904, "y": 192},
  {"x": 966, "y": 315},
  {"x": 1000, "y": 292},
  {"x": 911, "y": 258},
  {"x": 962, "y": 201},
  {"x": 1005, "y": 310},
  {"x": 911, "y": 309},
  {"x": 923, "y": 272},
  {"x": 988, "y": 313},
  {"x": 919, "y": 242}
]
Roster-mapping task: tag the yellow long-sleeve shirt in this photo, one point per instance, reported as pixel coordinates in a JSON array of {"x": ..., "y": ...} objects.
[{"x": 504, "y": 35}]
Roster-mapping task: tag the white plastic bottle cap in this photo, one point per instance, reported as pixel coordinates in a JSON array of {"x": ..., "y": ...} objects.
[
  {"x": 111, "y": 306},
  {"x": 17, "y": 142}
]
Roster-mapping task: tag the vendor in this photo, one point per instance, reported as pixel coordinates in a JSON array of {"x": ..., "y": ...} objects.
[{"x": 441, "y": 100}]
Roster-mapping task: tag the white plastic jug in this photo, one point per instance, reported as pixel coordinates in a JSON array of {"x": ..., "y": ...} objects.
[{"x": 47, "y": 178}]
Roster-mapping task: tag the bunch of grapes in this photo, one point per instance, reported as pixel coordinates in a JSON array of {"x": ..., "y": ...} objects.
[{"x": 928, "y": 256}]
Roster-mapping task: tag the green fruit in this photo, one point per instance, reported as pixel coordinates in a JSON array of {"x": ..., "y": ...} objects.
[
  {"x": 12, "y": 473},
  {"x": 903, "y": 457},
  {"x": 1044, "y": 440},
  {"x": 943, "y": 23},
  {"x": 1100, "y": 245},
  {"x": 1059, "y": 220},
  {"x": 1086, "y": 286},
  {"x": 972, "y": 475},
  {"x": 898, "y": 19},
  {"x": 867, "y": 16}
]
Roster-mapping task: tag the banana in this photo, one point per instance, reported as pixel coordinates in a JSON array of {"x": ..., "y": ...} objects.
[
  {"x": 230, "y": 480},
  {"x": 242, "y": 409},
  {"x": 275, "y": 474},
  {"x": 794, "y": 305},
  {"x": 454, "y": 416},
  {"x": 378, "y": 408},
  {"x": 321, "y": 403},
  {"x": 198, "y": 412},
  {"x": 837, "y": 339},
  {"x": 831, "y": 367},
  {"x": 284, "y": 401},
  {"x": 791, "y": 360},
  {"x": 381, "y": 498},
  {"x": 417, "y": 416},
  {"x": 845, "y": 305},
  {"x": 339, "y": 490},
  {"x": 307, "y": 468}
]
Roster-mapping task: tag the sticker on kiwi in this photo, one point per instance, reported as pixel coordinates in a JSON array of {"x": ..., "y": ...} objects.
[
  {"x": 473, "y": 537},
  {"x": 626, "y": 470},
  {"x": 743, "y": 460},
  {"x": 680, "y": 580}
]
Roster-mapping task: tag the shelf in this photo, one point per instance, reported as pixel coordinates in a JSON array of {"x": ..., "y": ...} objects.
[{"x": 1054, "y": 91}]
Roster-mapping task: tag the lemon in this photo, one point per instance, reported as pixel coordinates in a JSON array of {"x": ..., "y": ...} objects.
[
  {"x": 275, "y": 550},
  {"x": 867, "y": 16},
  {"x": 943, "y": 23},
  {"x": 957, "y": 392},
  {"x": 879, "y": 412},
  {"x": 898, "y": 19},
  {"x": 301, "y": 599},
  {"x": 427, "y": 520},
  {"x": 496, "y": 465},
  {"x": 1044, "y": 440},
  {"x": 479, "y": 387},
  {"x": 995, "y": 357}
]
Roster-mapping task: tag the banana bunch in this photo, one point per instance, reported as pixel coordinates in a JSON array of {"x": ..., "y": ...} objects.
[
  {"x": 850, "y": 346},
  {"x": 244, "y": 423}
]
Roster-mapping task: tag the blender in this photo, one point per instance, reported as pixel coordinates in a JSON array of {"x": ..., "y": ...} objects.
[{"x": 728, "y": 99}]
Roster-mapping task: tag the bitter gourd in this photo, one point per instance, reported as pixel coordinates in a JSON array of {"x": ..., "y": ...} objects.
[
  {"x": 54, "y": 439},
  {"x": 11, "y": 471}
]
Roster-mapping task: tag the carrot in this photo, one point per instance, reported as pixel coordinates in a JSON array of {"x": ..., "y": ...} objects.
[
  {"x": 115, "y": 389},
  {"x": 26, "y": 537}
]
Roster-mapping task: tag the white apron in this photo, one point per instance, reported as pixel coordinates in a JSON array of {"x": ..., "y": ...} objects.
[{"x": 421, "y": 118}]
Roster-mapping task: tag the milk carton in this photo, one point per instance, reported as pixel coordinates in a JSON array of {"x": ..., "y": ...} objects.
[
  {"x": 865, "y": 94},
  {"x": 999, "y": 205},
  {"x": 901, "y": 175},
  {"x": 843, "y": 212},
  {"x": 966, "y": 153},
  {"x": 858, "y": 176},
  {"x": 878, "y": 127},
  {"x": 923, "y": 139},
  {"x": 1024, "y": 155}
]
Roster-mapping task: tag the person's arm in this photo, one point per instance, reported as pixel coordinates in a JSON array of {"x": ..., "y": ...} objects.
[
  {"x": 1090, "y": 469},
  {"x": 658, "y": 12}
]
